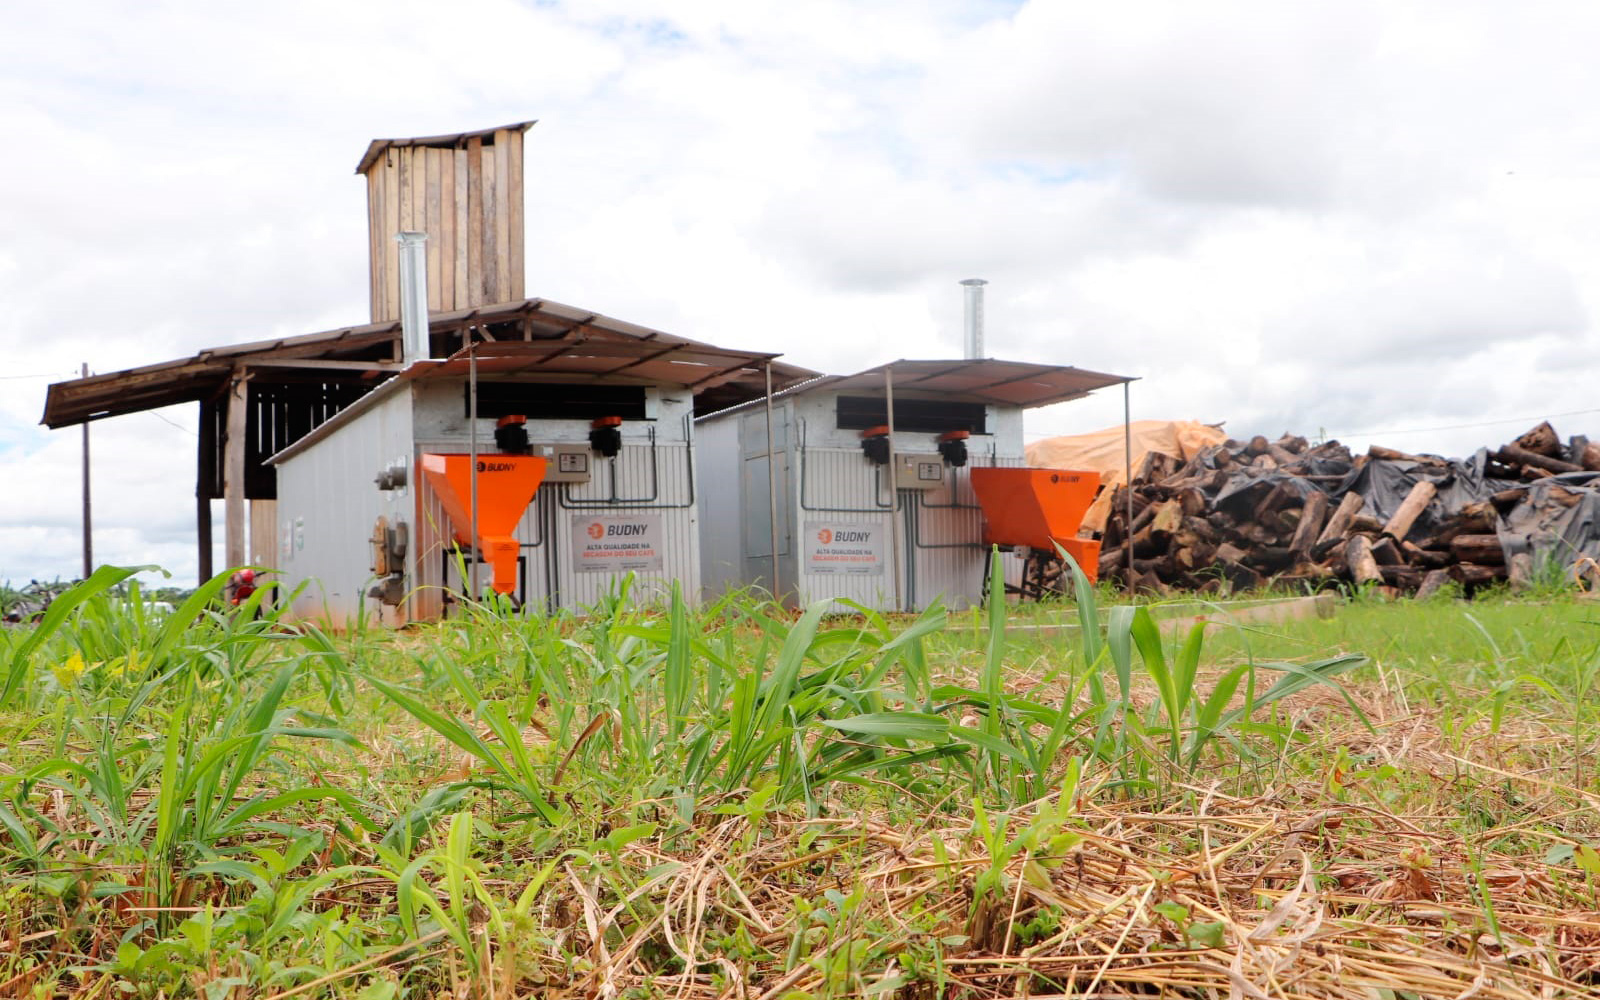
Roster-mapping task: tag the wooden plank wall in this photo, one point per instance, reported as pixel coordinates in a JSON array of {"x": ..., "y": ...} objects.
[{"x": 469, "y": 202}]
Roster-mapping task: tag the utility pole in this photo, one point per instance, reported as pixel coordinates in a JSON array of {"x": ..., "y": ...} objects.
[{"x": 88, "y": 540}]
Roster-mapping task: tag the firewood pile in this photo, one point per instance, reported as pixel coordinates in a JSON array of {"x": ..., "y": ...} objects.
[{"x": 1245, "y": 514}]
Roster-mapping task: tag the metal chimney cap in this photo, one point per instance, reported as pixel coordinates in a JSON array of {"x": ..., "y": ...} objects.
[
  {"x": 410, "y": 237},
  {"x": 974, "y": 281}
]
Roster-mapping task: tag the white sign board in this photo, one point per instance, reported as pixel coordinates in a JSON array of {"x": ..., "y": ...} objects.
[
  {"x": 616, "y": 543},
  {"x": 841, "y": 549}
]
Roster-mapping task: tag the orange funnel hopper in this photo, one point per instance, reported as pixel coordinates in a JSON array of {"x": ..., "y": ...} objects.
[
  {"x": 506, "y": 485},
  {"x": 1039, "y": 508}
]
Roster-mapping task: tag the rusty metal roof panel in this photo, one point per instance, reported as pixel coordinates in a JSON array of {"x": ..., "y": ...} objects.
[
  {"x": 671, "y": 361},
  {"x": 455, "y": 140},
  {"x": 552, "y": 328},
  {"x": 985, "y": 380}
]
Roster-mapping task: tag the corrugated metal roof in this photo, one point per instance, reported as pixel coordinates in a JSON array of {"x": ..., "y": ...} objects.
[
  {"x": 662, "y": 360},
  {"x": 983, "y": 380},
  {"x": 986, "y": 380},
  {"x": 368, "y": 353},
  {"x": 456, "y": 140}
]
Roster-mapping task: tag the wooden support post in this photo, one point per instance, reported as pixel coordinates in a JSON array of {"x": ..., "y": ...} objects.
[
  {"x": 233, "y": 462},
  {"x": 204, "y": 481},
  {"x": 88, "y": 528}
]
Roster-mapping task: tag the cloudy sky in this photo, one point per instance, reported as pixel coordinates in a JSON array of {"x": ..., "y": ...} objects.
[{"x": 1373, "y": 221}]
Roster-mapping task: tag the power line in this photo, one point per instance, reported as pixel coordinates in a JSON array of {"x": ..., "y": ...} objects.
[
  {"x": 1482, "y": 423},
  {"x": 8, "y": 378},
  {"x": 168, "y": 420}
]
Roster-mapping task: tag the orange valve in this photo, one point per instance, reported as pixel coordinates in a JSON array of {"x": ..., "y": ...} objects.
[
  {"x": 1038, "y": 508},
  {"x": 506, "y": 485}
]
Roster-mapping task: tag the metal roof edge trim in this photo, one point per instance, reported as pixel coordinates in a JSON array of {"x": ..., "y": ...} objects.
[
  {"x": 383, "y": 390},
  {"x": 811, "y": 383},
  {"x": 376, "y": 147}
]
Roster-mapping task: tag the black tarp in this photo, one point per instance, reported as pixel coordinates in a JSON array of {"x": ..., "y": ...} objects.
[
  {"x": 1559, "y": 522},
  {"x": 1384, "y": 486}
]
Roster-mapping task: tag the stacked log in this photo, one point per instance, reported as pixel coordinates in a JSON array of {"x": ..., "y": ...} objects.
[{"x": 1300, "y": 525}]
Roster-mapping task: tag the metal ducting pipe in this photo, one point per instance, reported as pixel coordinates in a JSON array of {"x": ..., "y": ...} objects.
[
  {"x": 413, "y": 296},
  {"x": 972, "y": 344}
]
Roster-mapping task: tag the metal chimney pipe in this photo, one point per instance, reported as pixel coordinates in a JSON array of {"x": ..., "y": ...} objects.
[
  {"x": 972, "y": 344},
  {"x": 413, "y": 296}
]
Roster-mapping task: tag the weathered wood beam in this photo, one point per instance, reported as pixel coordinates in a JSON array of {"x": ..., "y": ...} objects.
[
  {"x": 233, "y": 464},
  {"x": 338, "y": 366}
]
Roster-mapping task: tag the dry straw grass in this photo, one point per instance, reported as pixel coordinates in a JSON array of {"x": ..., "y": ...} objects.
[{"x": 1293, "y": 894}]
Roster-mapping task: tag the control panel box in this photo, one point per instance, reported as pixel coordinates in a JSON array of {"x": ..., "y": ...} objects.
[
  {"x": 919, "y": 472},
  {"x": 568, "y": 463}
]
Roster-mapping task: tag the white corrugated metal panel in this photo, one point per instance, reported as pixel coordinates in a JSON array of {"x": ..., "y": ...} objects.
[
  {"x": 945, "y": 545},
  {"x": 718, "y": 461},
  {"x": 655, "y": 485},
  {"x": 840, "y": 489},
  {"x": 328, "y": 505}
]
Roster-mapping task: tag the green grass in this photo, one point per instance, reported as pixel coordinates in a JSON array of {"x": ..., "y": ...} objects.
[{"x": 735, "y": 800}]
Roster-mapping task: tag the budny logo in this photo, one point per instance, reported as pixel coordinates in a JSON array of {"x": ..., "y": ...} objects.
[
  {"x": 827, "y": 536},
  {"x": 597, "y": 530}
]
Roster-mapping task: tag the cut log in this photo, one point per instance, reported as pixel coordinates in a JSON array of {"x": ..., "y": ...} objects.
[
  {"x": 1383, "y": 454},
  {"x": 1410, "y": 509},
  {"x": 1192, "y": 500},
  {"x": 1272, "y": 501},
  {"x": 1142, "y": 514},
  {"x": 1480, "y": 515},
  {"x": 1591, "y": 456},
  {"x": 1258, "y": 446},
  {"x": 1228, "y": 552},
  {"x": 1271, "y": 559},
  {"x": 1364, "y": 524},
  {"x": 1334, "y": 530},
  {"x": 1504, "y": 501},
  {"x": 1513, "y": 455},
  {"x": 1257, "y": 534},
  {"x": 1165, "y": 518},
  {"x": 1282, "y": 456},
  {"x": 1312, "y": 516},
  {"x": 1520, "y": 571},
  {"x": 1363, "y": 568},
  {"x": 1432, "y": 583},
  {"x": 1387, "y": 552},
  {"x": 1406, "y": 578},
  {"x": 1425, "y": 558},
  {"x": 1239, "y": 576},
  {"x": 1482, "y": 549},
  {"x": 1472, "y": 576},
  {"x": 1541, "y": 440}
]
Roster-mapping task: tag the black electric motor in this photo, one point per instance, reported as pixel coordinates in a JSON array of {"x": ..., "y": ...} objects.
[
  {"x": 511, "y": 435},
  {"x": 605, "y": 436}
]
